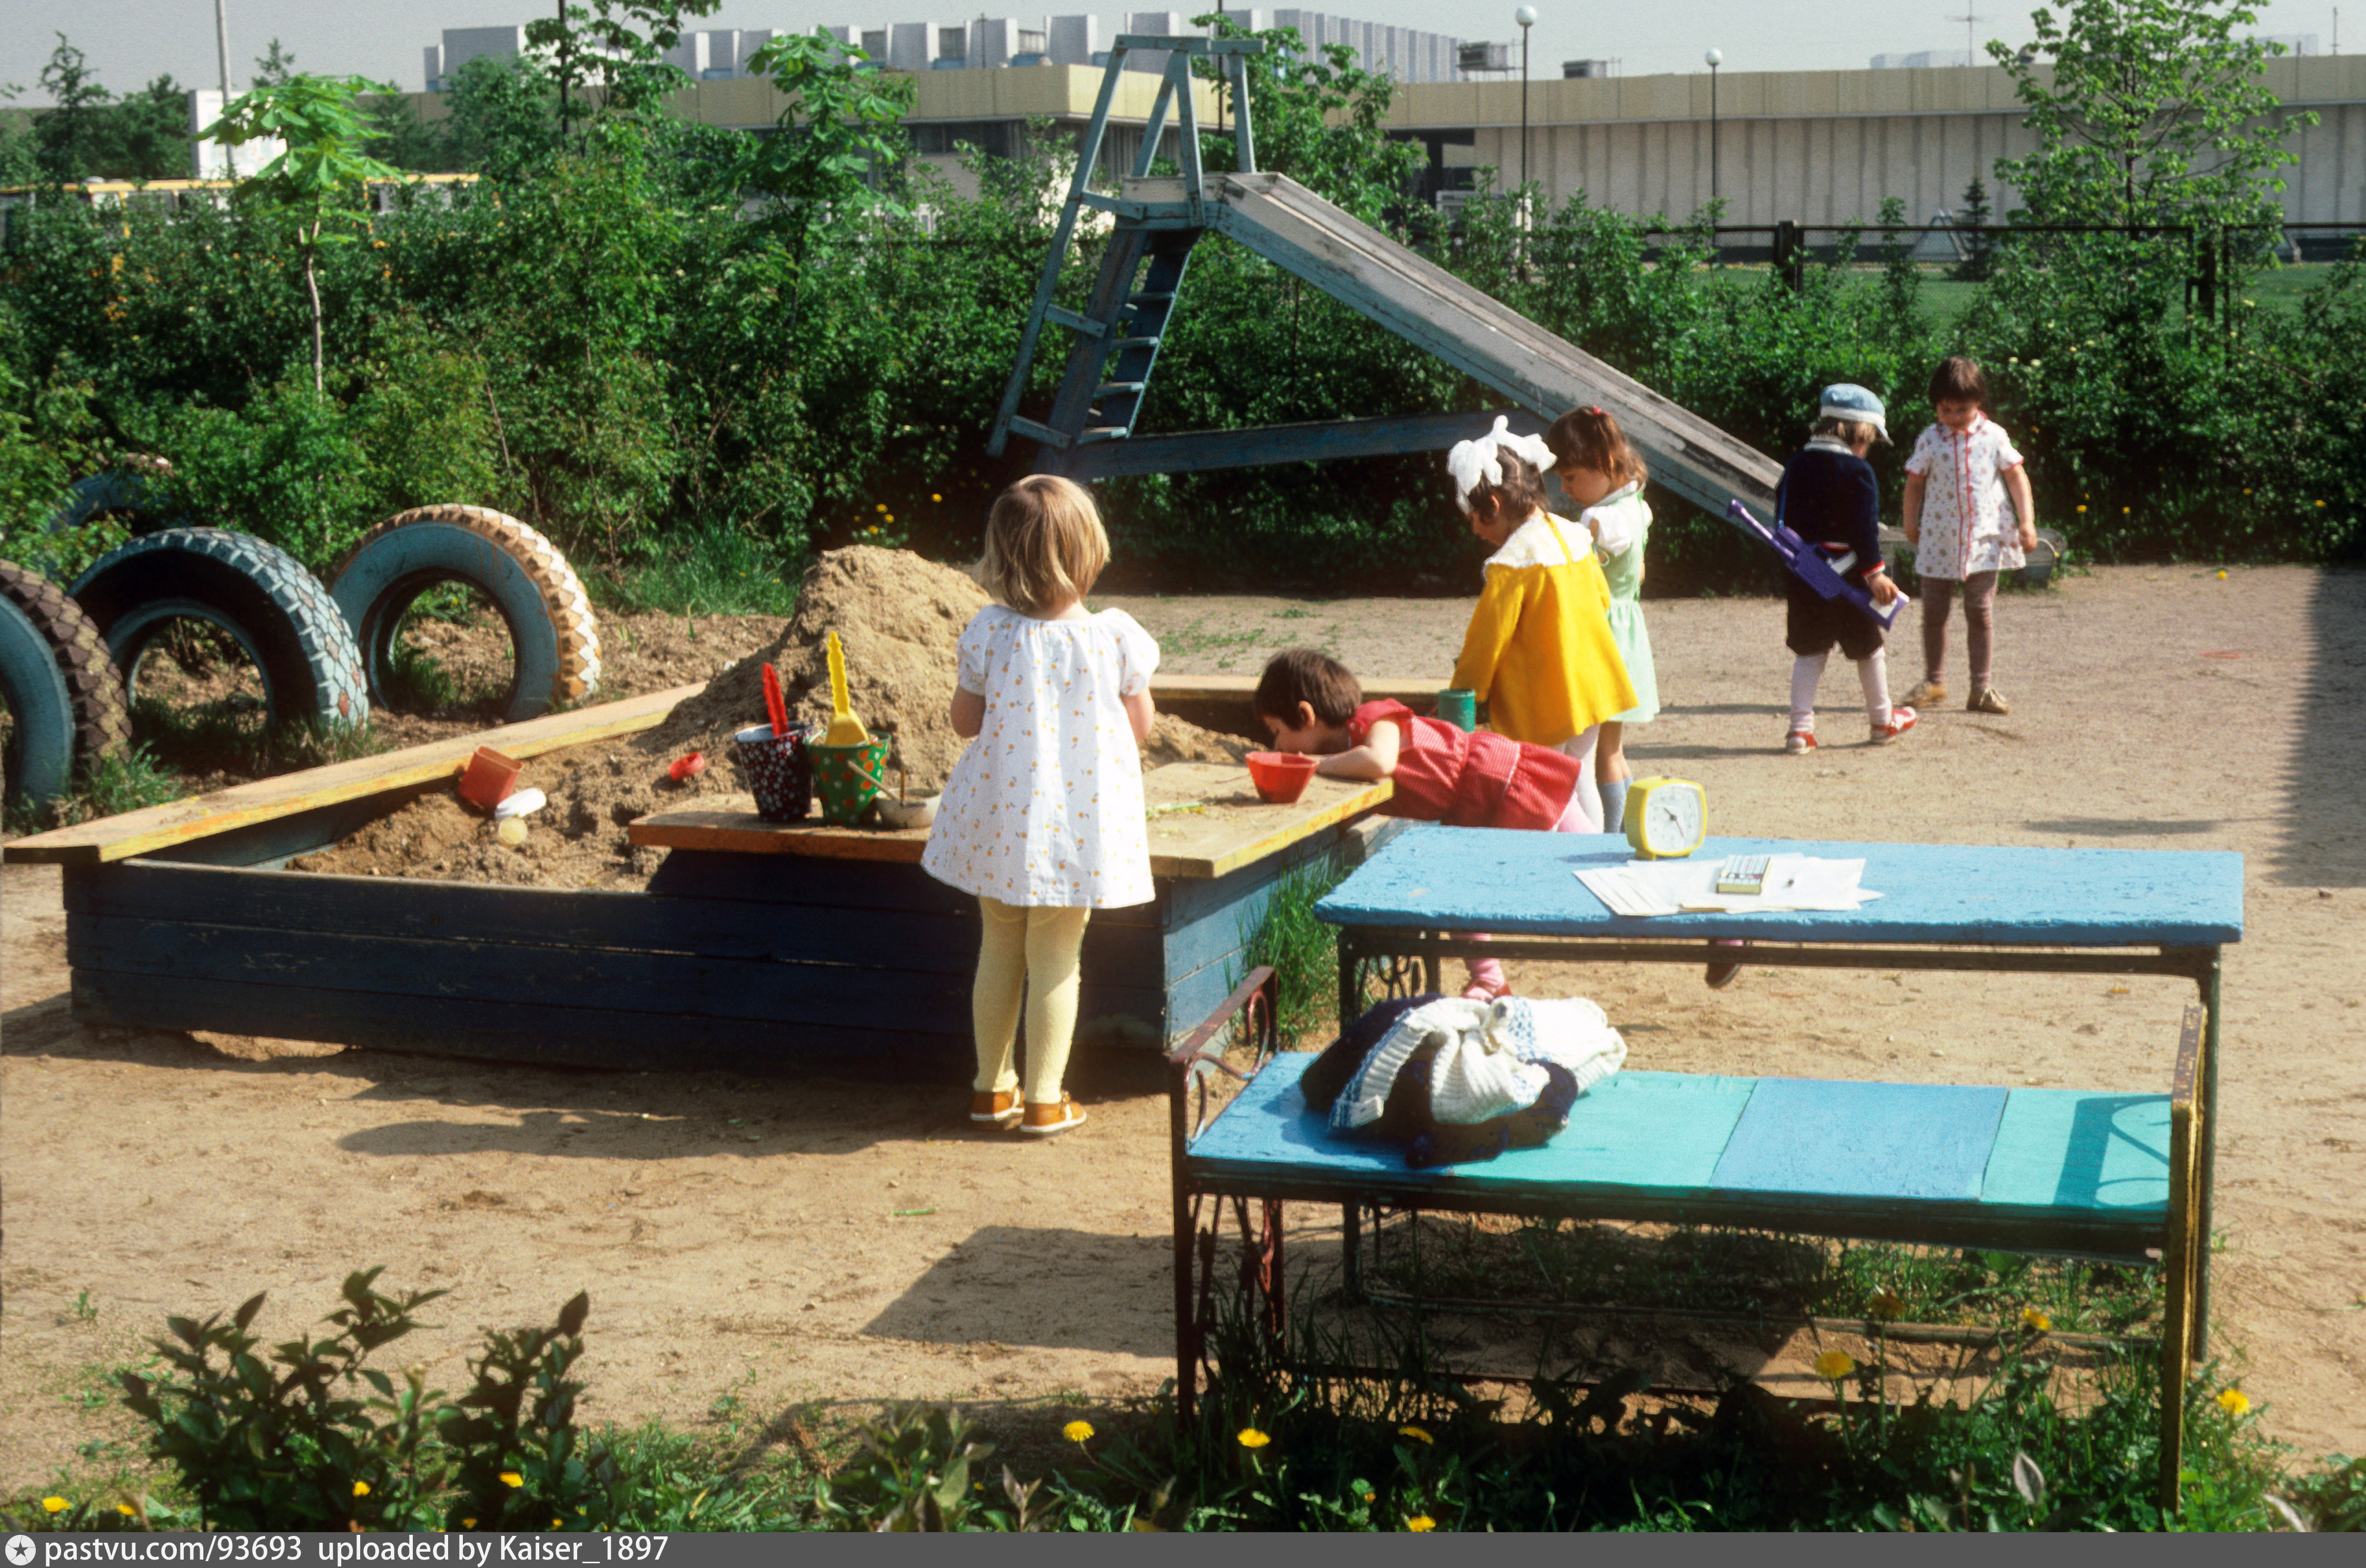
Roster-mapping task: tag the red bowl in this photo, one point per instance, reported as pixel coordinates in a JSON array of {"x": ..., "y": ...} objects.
[{"x": 1279, "y": 777}]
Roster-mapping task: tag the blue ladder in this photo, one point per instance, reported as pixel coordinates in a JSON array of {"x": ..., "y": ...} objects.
[{"x": 1117, "y": 334}]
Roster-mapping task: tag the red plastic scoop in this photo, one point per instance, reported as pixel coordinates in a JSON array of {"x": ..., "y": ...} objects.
[
  {"x": 773, "y": 703},
  {"x": 686, "y": 765}
]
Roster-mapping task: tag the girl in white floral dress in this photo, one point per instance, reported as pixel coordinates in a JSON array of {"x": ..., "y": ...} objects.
[
  {"x": 1959, "y": 480},
  {"x": 1043, "y": 819}
]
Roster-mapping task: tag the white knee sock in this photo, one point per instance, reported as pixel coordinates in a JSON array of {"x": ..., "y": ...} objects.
[
  {"x": 1805, "y": 670},
  {"x": 1873, "y": 674}
]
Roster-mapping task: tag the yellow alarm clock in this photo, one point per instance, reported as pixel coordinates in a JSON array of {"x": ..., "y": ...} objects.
[{"x": 1666, "y": 818}]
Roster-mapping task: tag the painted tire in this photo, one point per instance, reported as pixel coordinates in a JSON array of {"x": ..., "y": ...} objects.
[
  {"x": 39, "y": 760},
  {"x": 102, "y": 724},
  {"x": 261, "y": 596},
  {"x": 124, "y": 489},
  {"x": 549, "y": 618}
]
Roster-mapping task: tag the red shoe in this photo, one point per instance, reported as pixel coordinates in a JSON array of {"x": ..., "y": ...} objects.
[
  {"x": 1798, "y": 743},
  {"x": 1900, "y": 721}
]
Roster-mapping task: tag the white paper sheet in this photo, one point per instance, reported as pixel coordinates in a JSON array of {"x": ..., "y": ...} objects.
[{"x": 1687, "y": 887}]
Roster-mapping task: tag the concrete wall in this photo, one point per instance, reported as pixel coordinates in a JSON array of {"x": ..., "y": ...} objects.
[{"x": 1827, "y": 146}]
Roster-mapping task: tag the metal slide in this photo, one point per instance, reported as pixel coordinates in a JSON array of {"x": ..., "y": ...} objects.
[{"x": 1090, "y": 431}]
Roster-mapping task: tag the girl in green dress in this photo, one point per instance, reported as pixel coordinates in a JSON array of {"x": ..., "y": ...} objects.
[{"x": 1604, "y": 476}]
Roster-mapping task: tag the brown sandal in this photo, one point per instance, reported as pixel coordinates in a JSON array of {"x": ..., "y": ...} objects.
[{"x": 1048, "y": 1120}]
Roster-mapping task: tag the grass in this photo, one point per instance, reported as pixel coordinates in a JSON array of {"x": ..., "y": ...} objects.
[
  {"x": 1304, "y": 952},
  {"x": 714, "y": 571}
]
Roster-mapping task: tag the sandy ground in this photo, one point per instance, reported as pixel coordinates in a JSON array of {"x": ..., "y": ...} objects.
[{"x": 750, "y": 1246}]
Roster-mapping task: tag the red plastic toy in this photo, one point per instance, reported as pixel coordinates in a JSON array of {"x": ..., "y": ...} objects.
[{"x": 684, "y": 766}]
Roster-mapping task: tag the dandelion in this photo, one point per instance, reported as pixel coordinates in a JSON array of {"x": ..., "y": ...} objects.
[
  {"x": 1250, "y": 1437},
  {"x": 1887, "y": 1305},
  {"x": 2234, "y": 1402},
  {"x": 2320, "y": 503},
  {"x": 934, "y": 496},
  {"x": 511, "y": 1478},
  {"x": 1077, "y": 1431},
  {"x": 467, "y": 1524},
  {"x": 879, "y": 506},
  {"x": 2222, "y": 574},
  {"x": 1421, "y": 1523},
  {"x": 2031, "y": 1319},
  {"x": 1370, "y": 1497},
  {"x": 2082, "y": 509},
  {"x": 360, "y": 1488},
  {"x": 1417, "y": 1434},
  {"x": 1835, "y": 1365},
  {"x": 127, "y": 1510},
  {"x": 54, "y": 1505}
]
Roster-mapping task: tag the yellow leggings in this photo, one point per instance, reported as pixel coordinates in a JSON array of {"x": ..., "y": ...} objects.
[{"x": 1029, "y": 953}]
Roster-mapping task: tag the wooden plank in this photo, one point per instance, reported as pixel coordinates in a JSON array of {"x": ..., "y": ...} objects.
[
  {"x": 529, "y": 1033},
  {"x": 476, "y": 917},
  {"x": 1174, "y": 694},
  {"x": 1882, "y": 1142},
  {"x": 1222, "y": 826},
  {"x": 2070, "y": 1149},
  {"x": 887, "y": 992},
  {"x": 177, "y": 822},
  {"x": 1434, "y": 877},
  {"x": 1203, "y": 451}
]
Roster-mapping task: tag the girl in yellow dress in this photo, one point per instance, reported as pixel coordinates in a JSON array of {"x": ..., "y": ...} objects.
[{"x": 1539, "y": 653}]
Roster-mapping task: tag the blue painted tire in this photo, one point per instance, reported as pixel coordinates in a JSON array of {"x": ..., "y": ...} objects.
[
  {"x": 122, "y": 490},
  {"x": 261, "y": 596},
  {"x": 39, "y": 756},
  {"x": 552, "y": 630}
]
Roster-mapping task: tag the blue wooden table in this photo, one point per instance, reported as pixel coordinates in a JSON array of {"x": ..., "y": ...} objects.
[{"x": 1955, "y": 906}]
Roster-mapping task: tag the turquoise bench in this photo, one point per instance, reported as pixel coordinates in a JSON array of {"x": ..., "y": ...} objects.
[{"x": 2109, "y": 1176}]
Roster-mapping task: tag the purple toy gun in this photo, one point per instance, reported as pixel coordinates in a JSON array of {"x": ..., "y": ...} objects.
[{"x": 1810, "y": 566}]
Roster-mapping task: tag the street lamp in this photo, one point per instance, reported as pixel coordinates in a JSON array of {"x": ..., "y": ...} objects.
[
  {"x": 1526, "y": 16},
  {"x": 1713, "y": 59}
]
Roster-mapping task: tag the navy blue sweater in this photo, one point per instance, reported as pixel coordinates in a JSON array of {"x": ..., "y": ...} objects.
[{"x": 1829, "y": 499}]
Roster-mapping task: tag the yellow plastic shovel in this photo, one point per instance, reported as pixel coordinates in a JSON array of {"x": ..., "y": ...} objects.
[{"x": 845, "y": 729}]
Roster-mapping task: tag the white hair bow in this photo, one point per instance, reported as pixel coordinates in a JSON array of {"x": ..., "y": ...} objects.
[{"x": 1471, "y": 461}]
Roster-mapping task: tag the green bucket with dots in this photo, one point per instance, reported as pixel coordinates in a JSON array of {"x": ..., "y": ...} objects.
[{"x": 848, "y": 778}]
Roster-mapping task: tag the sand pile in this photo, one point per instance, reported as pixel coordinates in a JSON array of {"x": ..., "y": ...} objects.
[{"x": 899, "y": 617}]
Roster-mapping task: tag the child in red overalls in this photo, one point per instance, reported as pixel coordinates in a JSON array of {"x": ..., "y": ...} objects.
[{"x": 1312, "y": 705}]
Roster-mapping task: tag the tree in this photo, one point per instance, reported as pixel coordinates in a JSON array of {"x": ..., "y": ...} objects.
[
  {"x": 840, "y": 123},
  {"x": 2152, "y": 113},
  {"x": 1979, "y": 248},
  {"x": 323, "y": 175},
  {"x": 70, "y": 140},
  {"x": 620, "y": 45},
  {"x": 275, "y": 68},
  {"x": 503, "y": 123},
  {"x": 150, "y": 133}
]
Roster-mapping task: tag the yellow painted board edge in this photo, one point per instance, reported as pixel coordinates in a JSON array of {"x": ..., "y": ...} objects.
[
  {"x": 1374, "y": 794},
  {"x": 263, "y": 800}
]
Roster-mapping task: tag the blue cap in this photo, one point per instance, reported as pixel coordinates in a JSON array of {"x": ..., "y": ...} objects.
[{"x": 1848, "y": 401}]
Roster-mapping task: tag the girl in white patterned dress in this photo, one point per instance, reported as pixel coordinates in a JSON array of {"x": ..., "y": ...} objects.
[
  {"x": 1043, "y": 819},
  {"x": 1960, "y": 475}
]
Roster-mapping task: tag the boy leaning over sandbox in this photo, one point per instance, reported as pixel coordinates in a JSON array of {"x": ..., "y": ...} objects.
[{"x": 1311, "y": 704}]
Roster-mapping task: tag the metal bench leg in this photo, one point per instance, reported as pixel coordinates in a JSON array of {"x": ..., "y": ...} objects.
[
  {"x": 1351, "y": 1251},
  {"x": 2209, "y": 1110},
  {"x": 2184, "y": 1245}
]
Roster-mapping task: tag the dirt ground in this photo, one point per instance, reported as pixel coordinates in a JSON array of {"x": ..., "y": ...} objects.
[{"x": 750, "y": 1246}]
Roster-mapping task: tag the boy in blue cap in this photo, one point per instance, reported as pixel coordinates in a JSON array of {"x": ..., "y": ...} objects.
[{"x": 1831, "y": 499}]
